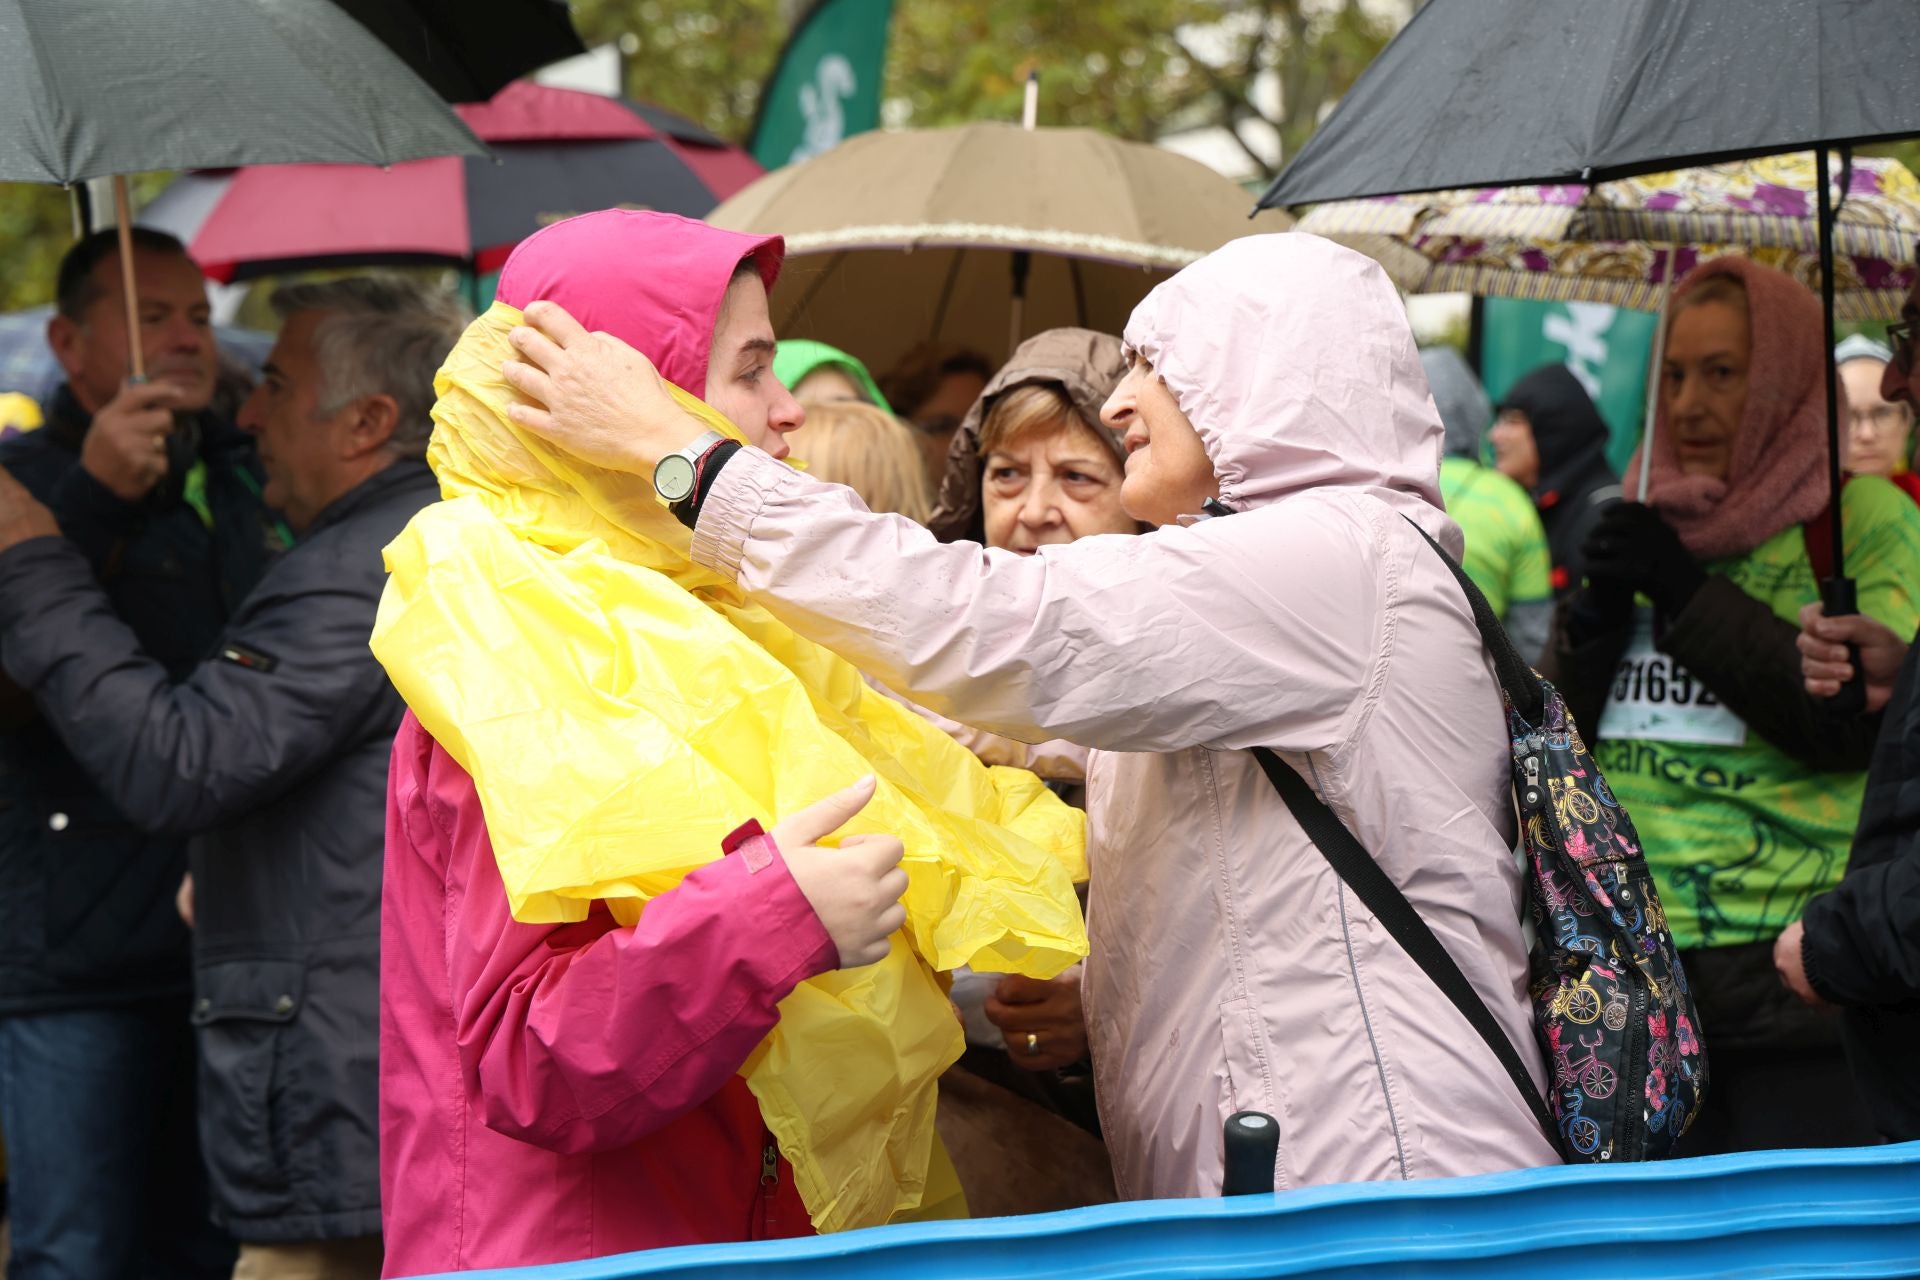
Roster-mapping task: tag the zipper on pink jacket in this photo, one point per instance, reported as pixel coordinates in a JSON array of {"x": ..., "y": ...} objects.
[{"x": 769, "y": 1187}]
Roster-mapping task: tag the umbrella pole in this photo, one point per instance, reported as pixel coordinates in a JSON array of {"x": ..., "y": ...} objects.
[
  {"x": 1023, "y": 261},
  {"x": 1017, "y": 312},
  {"x": 1833, "y": 373},
  {"x": 123, "y": 215},
  {"x": 1659, "y": 360},
  {"x": 1837, "y": 595}
]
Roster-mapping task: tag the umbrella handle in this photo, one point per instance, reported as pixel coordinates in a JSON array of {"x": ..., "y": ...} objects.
[
  {"x": 1658, "y": 363},
  {"x": 1838, "y": 598},
  {"x": 123, "y": 216},
  {"x": 1253, "y": 1142}
]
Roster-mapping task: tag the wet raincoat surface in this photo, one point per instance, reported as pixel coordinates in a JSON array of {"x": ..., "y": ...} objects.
[
  {"x": 1230, "y": 969},
  {"x": 592, "y": 715}
]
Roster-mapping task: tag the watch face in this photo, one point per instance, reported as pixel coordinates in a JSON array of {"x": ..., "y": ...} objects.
[{"x": 673, "y": 478}]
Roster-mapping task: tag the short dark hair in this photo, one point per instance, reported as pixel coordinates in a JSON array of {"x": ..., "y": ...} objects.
[
  {"x": 76, "y": 289},
  {"x": 912, "y": 382}
]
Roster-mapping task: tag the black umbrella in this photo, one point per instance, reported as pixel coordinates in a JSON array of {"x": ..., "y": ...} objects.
[
  {"x": 98, "y": 88},
  {"x": 468, "y": 50},
  {"x": 104, "y": 88},
  {"x": 1482, "y": 93}
]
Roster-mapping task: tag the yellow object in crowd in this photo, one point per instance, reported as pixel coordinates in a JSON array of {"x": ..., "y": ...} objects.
[
  {"x": 18, "y": 413},
  {"x": 621, "y": 709}
]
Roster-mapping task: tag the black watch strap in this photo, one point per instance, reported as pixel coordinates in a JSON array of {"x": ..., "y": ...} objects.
[{"x": 687, "y": 510}]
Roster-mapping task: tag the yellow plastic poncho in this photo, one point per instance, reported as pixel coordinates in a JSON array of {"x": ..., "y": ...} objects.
[{"x": 621, "y": 709}]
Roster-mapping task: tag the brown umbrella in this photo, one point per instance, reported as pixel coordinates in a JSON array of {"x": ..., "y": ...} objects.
[{"x": 898, "y": 238}]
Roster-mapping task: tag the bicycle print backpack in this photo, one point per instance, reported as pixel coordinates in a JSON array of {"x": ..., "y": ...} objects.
[{"x": 1611, "y": 1006}]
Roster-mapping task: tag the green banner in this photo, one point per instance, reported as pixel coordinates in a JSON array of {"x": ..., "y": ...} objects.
[
  {"x": 1607, "y": 349},
  {"x": 826, "y": 86}
]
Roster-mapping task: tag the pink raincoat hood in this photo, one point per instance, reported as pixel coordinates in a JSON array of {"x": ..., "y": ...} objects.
[
  {"x": 653, "y": 280},
  {"x": 1293, "y": 358}
]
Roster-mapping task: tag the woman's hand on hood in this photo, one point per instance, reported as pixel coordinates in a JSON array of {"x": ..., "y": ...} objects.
[{"x": 593, "y": 395}]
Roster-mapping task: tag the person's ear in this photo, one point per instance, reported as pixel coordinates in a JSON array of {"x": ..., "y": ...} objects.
[
  {"x": 371, "y": 425},
  {"x": 66, "y": 339}
]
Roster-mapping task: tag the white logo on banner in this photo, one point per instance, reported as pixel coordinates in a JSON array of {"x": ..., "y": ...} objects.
[
  {"x": 1583, "y": 332},
  {"x": 833, "y": 83}
]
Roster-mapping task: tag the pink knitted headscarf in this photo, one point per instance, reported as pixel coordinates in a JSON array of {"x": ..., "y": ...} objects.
[{"x": 1778, "y": 476}]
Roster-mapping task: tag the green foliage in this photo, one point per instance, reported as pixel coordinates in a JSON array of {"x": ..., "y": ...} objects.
[
  {"x": 36, "y": 226},
  {"x": 1113, "y": 65},
  {"x": 1125, "y": 66},
  {"x": 703, "y": 58}
]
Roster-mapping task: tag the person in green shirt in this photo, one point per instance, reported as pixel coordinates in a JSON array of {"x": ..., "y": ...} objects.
[
  {"x": 1677, "y": 656},
  {"x": 819, "y": 374},
  {"x": 1506, "y": 552}
]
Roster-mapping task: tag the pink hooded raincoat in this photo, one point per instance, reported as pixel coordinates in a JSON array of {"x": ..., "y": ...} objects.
[
  {"x": 1230, "y": 969},
  {"x": 559, "y": 1091}
]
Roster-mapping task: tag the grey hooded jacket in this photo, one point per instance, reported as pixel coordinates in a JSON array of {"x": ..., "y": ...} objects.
[{"x": 1465, "y": 413}]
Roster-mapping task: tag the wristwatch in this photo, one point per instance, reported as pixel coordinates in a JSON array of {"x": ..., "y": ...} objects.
[{"x": 675, "y": 475}]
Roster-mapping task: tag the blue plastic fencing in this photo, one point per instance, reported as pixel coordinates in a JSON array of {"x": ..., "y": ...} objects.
[{"x": 1848, "y": 1213}]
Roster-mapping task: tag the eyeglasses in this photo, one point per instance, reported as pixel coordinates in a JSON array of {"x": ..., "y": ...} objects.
[
  {"x": 1881, "y": 417},
  {"x": 1900, "y": 338}
]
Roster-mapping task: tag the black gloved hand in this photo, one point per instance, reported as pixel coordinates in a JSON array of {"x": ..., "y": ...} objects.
[
  {"x": 1631, "y": 544},
  {"x": 1602, "y": 604}
]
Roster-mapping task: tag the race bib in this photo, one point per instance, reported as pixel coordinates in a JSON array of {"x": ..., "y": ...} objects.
[{"x": 1655, "y": 697}]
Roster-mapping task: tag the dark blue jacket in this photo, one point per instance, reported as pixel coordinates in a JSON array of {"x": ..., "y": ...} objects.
[
  {"x": 272, "y": 754},
  {"x": 1862, "y": 946},
  {"x": 86, "y": 899}
]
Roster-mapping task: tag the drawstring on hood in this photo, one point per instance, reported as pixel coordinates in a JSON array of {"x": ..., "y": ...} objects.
[
  {"x": 1081, "y": 363},
  {"x": 1293, "y": 359}
]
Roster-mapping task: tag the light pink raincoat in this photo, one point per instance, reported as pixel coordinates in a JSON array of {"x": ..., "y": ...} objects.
[{"x": 1230, "y": 969}]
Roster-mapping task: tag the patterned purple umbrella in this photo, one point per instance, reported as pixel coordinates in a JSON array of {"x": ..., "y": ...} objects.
[{"x": 1624, "y": 242}]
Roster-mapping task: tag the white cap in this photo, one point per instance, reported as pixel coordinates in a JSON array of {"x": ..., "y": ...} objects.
[{"x": 1861, "y": 347}]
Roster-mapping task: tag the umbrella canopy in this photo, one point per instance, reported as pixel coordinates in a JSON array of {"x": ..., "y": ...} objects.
[
  {"x": 95, "y": 88},
  {"x": 1492, "y": 93},
  {"x": 469, "y": 49},
  {"x": 1624, "y": 242},
  {"x": 558, "y": 152},
  {"x": 1477, "y": 93},
  {"x": 897, "y": 238}
]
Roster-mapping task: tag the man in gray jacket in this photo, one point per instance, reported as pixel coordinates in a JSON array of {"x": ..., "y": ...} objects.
[{"x": 272, "y": 753}]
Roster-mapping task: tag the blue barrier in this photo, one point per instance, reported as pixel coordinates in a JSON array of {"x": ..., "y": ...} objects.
[{"x": 1845, "y": 1213}]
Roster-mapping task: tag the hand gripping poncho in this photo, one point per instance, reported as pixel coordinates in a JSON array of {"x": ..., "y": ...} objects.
[{"x": 621, "y": 709}]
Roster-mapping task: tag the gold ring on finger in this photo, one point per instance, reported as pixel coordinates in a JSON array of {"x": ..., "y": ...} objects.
[{"x": 1033, "y": 1042}]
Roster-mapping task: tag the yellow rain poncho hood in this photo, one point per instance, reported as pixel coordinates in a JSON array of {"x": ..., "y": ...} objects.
[{"x": 621, "y": 709}]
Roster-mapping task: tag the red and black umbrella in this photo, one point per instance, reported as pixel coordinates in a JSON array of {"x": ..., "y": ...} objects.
[{"x": 558, "y": 152}]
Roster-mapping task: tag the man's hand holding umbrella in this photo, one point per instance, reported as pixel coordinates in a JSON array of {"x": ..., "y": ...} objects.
[{"x": 126, "y": 447}]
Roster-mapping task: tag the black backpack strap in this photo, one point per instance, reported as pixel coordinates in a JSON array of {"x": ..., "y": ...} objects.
[
  {"x": 1516, "y": 677},
  {"x": 1357, "y": 869}
]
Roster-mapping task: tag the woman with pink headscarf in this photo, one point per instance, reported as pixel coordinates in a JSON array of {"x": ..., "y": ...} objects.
[{"x": 1677, "y": 656}]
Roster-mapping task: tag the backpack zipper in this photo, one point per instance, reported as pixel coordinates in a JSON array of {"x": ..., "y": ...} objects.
[{"x": 1632, "y": 1111}]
